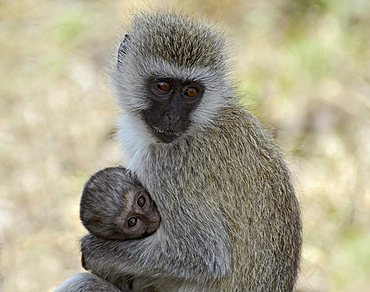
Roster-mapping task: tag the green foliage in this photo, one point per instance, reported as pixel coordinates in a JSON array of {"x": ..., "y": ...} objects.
[{"x": 68, "y": 27}]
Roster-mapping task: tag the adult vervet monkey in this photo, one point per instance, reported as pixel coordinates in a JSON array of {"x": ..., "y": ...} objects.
[{"x": 230, "y": 220}]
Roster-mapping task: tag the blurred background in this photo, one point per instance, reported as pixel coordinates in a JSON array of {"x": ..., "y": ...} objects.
[{"x": 302, "y": 67}]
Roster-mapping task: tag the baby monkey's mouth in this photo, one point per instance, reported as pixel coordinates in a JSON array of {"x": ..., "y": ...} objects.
[{"x": 153, "y": 223}]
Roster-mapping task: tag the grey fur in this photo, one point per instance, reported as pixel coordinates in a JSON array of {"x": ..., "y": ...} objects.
[
  {"x": 103, "y": 203},
  {"x": 103, "y": 198},
  {"x": 230, "y": 218},
  {"x": 108, "y": 200},
  {"x": 86, "y": 282}
]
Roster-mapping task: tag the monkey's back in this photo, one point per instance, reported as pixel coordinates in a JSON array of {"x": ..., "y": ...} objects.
[
  {"x": 234, "y": 166},
  {"x": 266, "y": 229}
]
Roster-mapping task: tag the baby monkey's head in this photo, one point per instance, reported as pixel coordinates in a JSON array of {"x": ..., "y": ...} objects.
[{"x": 114, "y": 205}]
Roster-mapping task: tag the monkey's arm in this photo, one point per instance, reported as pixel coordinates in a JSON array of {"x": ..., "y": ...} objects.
[
  {"x": 87, "y": 282},
  {"x": 200, "y": 256}
]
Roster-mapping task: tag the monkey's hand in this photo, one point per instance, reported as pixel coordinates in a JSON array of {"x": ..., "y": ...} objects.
[{"x": 152, "y": 256}]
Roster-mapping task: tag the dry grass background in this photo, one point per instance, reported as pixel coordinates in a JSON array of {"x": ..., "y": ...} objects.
[{"x": 303, "y": 67}]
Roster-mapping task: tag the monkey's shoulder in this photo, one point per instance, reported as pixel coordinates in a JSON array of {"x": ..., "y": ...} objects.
[{"x": 237, "y": 125}]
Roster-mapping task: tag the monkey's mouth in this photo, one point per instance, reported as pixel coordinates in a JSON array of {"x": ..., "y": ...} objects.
[{"x": 165, "y": 135}]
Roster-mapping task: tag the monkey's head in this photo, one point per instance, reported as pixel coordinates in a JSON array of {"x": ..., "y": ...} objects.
[
  {"x": 171, "y": 75},
  {"x": 115, "y": 206}
]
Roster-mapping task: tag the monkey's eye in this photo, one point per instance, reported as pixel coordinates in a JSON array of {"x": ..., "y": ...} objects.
[
  {"x": 164, "y": 86},
  {"x": 191, "y": 92},
  {"x": 141, "y": 201},
  {"x": 131, "y": 222}
]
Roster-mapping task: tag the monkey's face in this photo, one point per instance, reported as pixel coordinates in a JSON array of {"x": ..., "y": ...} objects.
[
  {"x": 171, "y": 77},
  {"x": 171, "y": 103},
  {"x": 140, "y": 218}
]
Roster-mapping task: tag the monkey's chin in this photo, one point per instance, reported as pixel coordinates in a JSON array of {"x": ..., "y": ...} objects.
[{"x": 166, "y": 138}]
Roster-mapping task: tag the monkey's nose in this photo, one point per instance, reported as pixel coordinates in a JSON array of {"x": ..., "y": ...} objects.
[{"x": 172, "y": 119}]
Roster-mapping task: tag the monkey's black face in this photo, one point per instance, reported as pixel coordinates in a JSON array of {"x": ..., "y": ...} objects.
[{"x": 172, "y": 102}]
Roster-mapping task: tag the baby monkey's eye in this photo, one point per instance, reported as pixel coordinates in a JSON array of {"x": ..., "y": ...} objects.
[
  {"x": 141, "y": 201},
  {"x": 131, "y": 222}
]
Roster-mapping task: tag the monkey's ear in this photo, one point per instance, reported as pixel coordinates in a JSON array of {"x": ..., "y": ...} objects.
[{"x": 122, "y": 50}]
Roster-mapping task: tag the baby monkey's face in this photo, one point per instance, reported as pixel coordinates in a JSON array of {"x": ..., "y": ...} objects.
[
  {"x": 140, "y": 217},
  {"x": 115, "y": 206}
]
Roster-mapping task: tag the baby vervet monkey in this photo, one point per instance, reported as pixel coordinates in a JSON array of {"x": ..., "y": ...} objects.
[{"x": 114, "y": 205}]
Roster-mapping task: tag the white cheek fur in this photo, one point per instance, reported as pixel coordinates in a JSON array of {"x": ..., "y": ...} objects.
[{"x": 134, "y": 136}]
